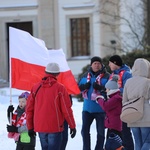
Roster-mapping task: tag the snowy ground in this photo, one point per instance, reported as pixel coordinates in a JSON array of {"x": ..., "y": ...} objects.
[{"x": 8, "y": 144}]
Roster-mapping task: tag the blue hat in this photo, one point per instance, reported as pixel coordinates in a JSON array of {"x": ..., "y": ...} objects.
[{"x": 24, "y": 95}]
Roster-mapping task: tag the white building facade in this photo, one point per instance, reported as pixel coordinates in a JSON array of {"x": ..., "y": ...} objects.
[{"x": 73, "y": 25}]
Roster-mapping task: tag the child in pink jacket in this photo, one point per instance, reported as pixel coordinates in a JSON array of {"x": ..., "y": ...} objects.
[{"x": 112, "y": 106}]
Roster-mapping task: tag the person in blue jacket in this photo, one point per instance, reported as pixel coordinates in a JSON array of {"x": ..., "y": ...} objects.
[
  {"x": 92, "y": 84},
  {"x": 123, "y": 71}
]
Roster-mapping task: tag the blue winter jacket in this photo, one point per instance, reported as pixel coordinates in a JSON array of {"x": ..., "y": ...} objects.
[
  {"x": 126, "y": 75},
  {"x": 89, "y": 105}
]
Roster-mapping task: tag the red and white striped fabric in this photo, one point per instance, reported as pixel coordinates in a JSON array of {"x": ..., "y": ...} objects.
[{"x": 28, "y": 59}]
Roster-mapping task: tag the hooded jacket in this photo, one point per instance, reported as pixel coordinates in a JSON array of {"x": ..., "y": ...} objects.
[
  {"x": 48, "y": 107},
  {"x": 137, "y": 86}
]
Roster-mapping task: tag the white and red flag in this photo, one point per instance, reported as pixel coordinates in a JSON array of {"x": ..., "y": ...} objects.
[{"x": 28, "y": 59}]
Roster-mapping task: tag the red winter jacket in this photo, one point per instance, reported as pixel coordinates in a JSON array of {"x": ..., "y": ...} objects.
[{"x": 49, "y": 107}]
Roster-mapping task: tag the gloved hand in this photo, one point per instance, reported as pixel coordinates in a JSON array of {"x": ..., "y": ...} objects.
[
  {"x": 104, "y": 93},
  {"x": 97, "y": 86},
  {"x": 10, "y": 109},
  {"x": 73, "y": 132},
  {"x": 31, "y": 133},
  {"x": 12, "y": 128},
  {"x": 85, "y": 86}
]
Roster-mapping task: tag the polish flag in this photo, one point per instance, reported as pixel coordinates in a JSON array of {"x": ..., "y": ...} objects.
[{"x": 28, "y": 59}]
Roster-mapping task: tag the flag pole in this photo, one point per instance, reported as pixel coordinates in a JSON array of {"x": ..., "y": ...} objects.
[
  {"x": 10, "y": 81},
  {"x": 10, "y": 119}
]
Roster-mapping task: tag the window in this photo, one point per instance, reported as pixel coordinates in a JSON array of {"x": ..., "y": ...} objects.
[{"x": 80, "y": 37}]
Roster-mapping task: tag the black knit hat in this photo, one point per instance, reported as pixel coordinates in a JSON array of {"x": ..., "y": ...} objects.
[
  {"x": 116, "y": 59},
  {"x": 96, "y": 58}
]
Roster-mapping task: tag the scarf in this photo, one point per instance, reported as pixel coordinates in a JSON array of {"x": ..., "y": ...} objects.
[
  {"x": 95, "y": 93},
  {"x": 18, "y": 119}
]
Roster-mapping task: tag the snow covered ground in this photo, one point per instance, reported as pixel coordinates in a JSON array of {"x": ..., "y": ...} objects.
[{"x": 8, "y": 144}]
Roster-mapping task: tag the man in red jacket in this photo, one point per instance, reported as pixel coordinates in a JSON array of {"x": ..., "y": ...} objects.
[{"x": 47, "y": 107}]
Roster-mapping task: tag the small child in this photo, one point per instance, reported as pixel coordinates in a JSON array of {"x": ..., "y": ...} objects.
[
  {"x": 112, "y": 106},
  {"x": 18, "y": 130}
]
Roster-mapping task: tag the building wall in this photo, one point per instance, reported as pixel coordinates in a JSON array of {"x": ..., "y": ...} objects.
[
  {"x": 14, "y": 11},
  {"x": 46, "y": 24},
  {"x": 101, "y": 34},
  {"x": 69, "y": 9},
  {"x": 50, "y": 20}
]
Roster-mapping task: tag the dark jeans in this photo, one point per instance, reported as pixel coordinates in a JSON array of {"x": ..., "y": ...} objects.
[
  {"x": 64, "y": 136},
  {"x": 87, "y": 119},
  {"x": 127, "y": 137},
  {"x": 50, "y": 141}
]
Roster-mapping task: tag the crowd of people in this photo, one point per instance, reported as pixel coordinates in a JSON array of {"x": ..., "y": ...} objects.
[{"x": 47, "y": 109}]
